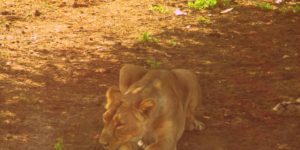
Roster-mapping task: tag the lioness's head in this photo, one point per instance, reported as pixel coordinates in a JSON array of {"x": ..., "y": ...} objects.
[{"x": 125, "y": 119}]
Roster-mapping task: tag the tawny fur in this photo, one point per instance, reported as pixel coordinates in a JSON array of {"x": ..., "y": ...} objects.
[{"x": 153, "y": 105}]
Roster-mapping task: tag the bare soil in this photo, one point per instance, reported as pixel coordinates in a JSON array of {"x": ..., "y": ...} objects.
[{"x": 57, "y": 60}]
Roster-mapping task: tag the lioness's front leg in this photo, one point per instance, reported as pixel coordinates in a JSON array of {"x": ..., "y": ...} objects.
[
  {"x": 165, "y": 136},
  {"x": 162, "y": 145}
]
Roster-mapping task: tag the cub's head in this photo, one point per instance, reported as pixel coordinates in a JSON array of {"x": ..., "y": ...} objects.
[{"x": 124, "y": 120}]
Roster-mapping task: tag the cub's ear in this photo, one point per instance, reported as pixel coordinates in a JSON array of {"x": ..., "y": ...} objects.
[
  {"x": 146, "y": 106},
  {"x": 113, "y": 97}
]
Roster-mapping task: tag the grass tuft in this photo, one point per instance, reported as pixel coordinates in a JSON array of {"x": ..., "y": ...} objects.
[
  {"x": 146, "y": 37},
  {"x": 153, "y": 63},
  {"x": 59, "y": 144},
  {"x": 225, "y": 3},
  {"x": 159, "y": 9},
  {"x": 296, "y": 9},
  {"x": 202, "y": 4},
  {"x": 172, "y": 42},
  {"x": 204, "y": 20},
  {"x": 265, "y": 6}
]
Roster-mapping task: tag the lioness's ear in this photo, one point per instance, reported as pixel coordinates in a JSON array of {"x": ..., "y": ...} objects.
[
  {"x": 113, "y": 97},
  {"x": 146, "y": 106}
]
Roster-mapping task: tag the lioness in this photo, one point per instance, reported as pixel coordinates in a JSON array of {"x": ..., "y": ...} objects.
[{"x": 153, "y": 106}]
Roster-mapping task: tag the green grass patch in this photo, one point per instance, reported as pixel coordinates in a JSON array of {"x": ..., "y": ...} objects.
[
  {"x": 59, "y": 144},
  {"x": 203, "y": 20},
  {"x": 153, "y": 63},
  {"x": 288, "y": 8},
  {"x": 225, "y": 3},
  {"x": 296, "y": 9},
  {"x": 159, "y": 9},
  {"x": 146, "y": 37},
  {"x": 265, "y": 6},
  {"x": 172, "y": 42},
  {"x": 202, "y": 4},
  {"x": 284, "y": 9}
]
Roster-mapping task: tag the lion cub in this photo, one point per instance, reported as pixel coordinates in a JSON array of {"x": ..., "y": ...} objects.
[{"x": 153, "y": 107}]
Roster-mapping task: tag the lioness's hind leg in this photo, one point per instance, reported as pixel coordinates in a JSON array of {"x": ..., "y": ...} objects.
[{"x": 191, "y": 122}]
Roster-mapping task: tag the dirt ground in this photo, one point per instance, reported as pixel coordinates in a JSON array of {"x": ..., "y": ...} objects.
[{"x": 58, "y": 59}]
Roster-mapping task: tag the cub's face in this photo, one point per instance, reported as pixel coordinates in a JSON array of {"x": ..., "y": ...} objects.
[{"x": 124, "y": 124}]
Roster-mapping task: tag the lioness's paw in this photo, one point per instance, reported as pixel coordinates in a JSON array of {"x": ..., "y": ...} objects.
[
  {"x": 195, "y": 125},
  {"x": 199, "y": 125}
]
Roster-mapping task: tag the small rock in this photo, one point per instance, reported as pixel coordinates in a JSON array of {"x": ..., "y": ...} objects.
[
  {"x": 63, "y": 4},
  {"x": 37, "y": 13},
  {"x": 285, "y": 56},
  {"x": 278, "y": 1},
  {"x": 178, "y": 12},
  {"x": 7, "y": 26},
  {"x": 207, "y": 62},
  {"x": 226, "y": 10},
  {"x": 188, "y": 26},
  {"x": 49, "y": 127},
  {"x": 283, "y": 146},
  {"x": 288, "y": 68}
]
